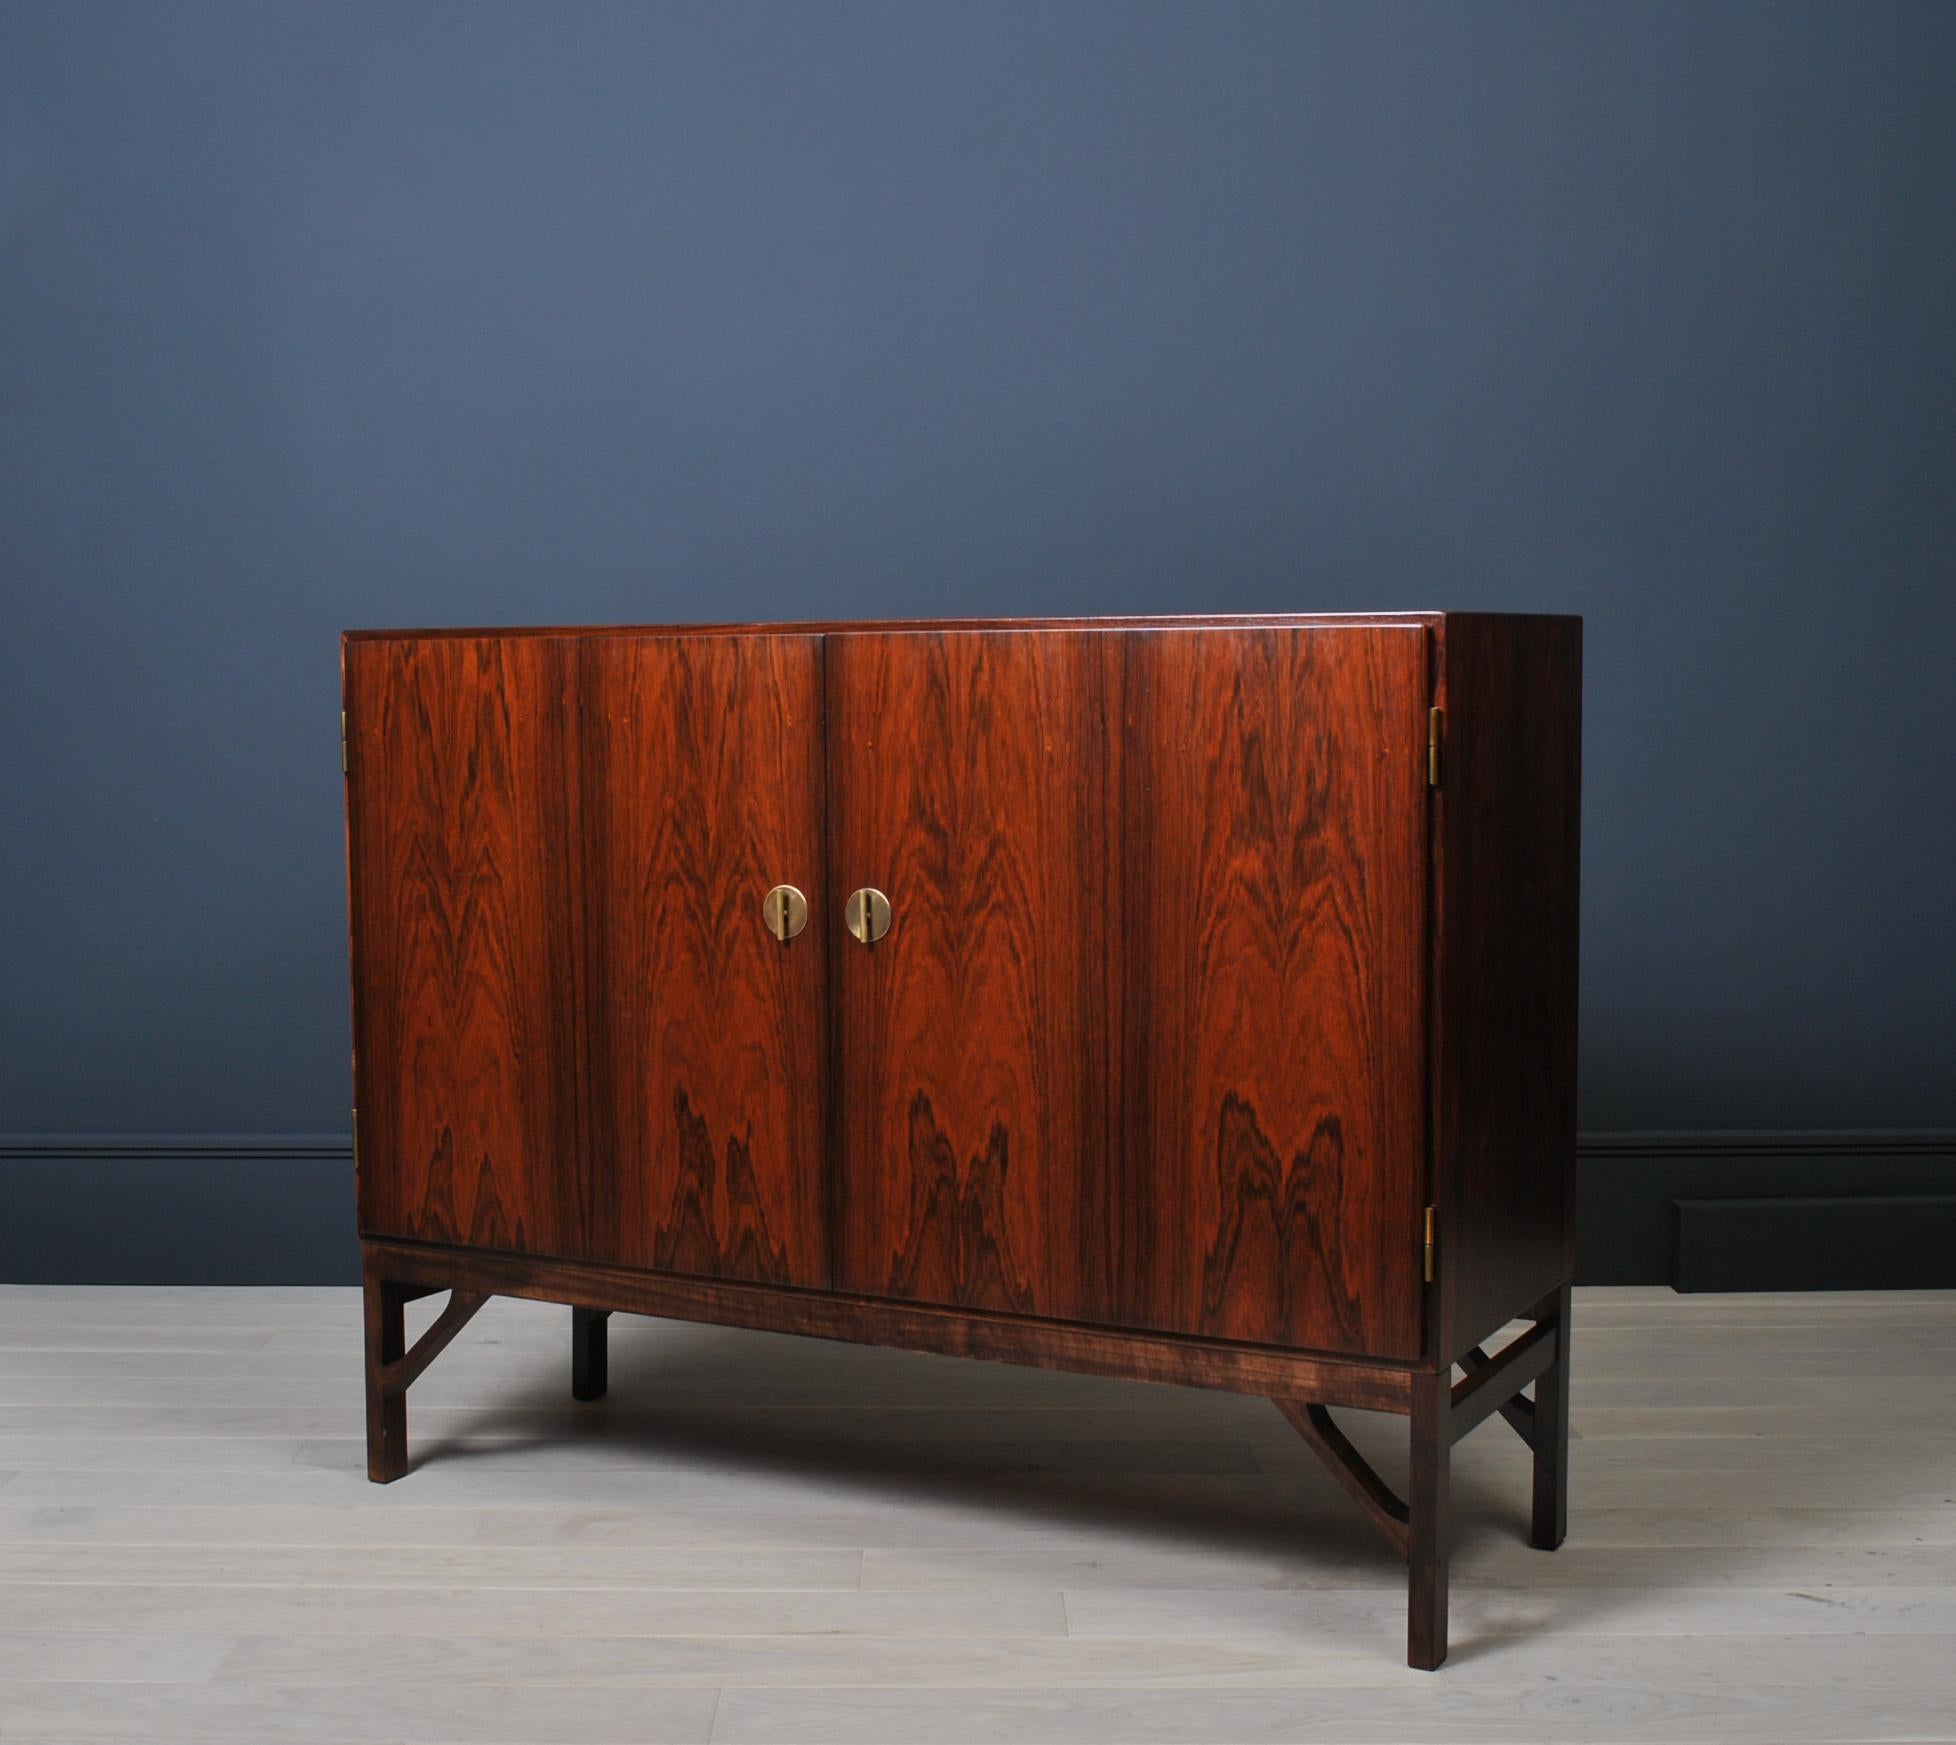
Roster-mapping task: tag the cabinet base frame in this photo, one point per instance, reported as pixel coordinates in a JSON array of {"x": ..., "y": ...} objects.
[
  {"x": 1443, "y": 1411},
  {"x": 1303, "y": 1385}
]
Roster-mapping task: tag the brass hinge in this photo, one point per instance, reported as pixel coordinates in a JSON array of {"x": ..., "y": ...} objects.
[
  {"x": 1429, "y": 1244},
  {"x": 1436, "y": 726},
  {"x": 343, "y": 769}
]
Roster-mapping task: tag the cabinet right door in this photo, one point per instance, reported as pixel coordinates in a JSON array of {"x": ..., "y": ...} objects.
[
  {"x": 970, "y": 781},
  {"x": 1275, "y": 884}
]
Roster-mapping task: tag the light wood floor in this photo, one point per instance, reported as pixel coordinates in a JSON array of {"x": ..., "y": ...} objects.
[{"x": 758, "y": 1538}]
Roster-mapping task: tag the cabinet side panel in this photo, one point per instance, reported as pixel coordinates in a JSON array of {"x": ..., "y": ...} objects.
[
  {"x": 1509, "y": 820},
  {"x": 704, "y": 793},
  {"x": 1276, "y": 951},
  {"x": 972, "y": 781},
  {"x": 465, "y": 883}
]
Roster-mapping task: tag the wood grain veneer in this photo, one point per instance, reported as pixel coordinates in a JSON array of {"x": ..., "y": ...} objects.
[
  {"x": 591, "y": 1049},
  {"x": 1276, "y": 837},
  {"x": 973, "y": 779}
]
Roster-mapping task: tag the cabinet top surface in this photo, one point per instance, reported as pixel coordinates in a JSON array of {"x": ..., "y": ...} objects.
[{"x": 816, "y": 627}]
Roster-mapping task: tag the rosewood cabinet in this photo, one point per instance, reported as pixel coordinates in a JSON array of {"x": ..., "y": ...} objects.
[{"x": 1189, "y": 999}]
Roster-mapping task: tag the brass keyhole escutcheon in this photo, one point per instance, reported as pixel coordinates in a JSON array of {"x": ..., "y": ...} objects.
[
  {"x": 785, "y": 910},
  {"x": 867, "y": 915}
]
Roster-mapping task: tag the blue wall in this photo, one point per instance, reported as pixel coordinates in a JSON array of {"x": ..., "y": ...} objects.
[{"x": 410, "y": 314}]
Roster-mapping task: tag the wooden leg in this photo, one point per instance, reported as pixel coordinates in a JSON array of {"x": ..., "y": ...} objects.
[
  {"x": 386, "y": 1407},
  {"x": 1551, "y": 1438},
  {"x": 1428, "y": 1527},
  {"x": 392, "y": 1367},
  {"x": 589, "y": 1350}
]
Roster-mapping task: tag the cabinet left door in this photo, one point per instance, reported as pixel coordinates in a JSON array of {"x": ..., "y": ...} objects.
[{"x": 575, "y": 1033}]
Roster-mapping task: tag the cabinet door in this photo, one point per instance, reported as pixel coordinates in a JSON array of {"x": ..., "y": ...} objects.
[
  {"x": 1276, "y": 821},
  {"x": 976, "y": 1042},
  {"x": 715, "y": 1052},
  {"x": 575, "y": 1035},
  {"x": 467, "y": 883}
]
